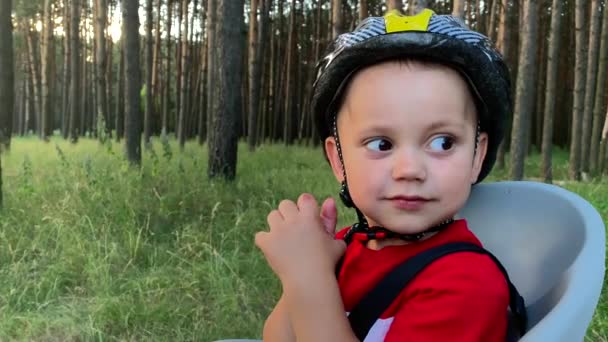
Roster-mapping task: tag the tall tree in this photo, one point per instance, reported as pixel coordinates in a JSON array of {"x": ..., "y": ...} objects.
[
  {"x": 183, "y": 73},
  {"x": 67, "y": 63},
  {"x": 33, "y": 58},
  {"x": 167, "y": 98},
  {"x": 120, "y": 100},
  {"x": 212, "y": 15},
  {"x": 458, "y": 9},
  {"x": 101, "y": 7},
  {"x": 149, "y": 60},
  {"x": 75, "y": 86},
  {"x": 523, "y": 101},
  {"x": 7, "y": 76},
  {"x": 290, "y": 111},
  {"x": 417, "y": 6},
  {"x": 592, "y": 57},
  {"x": 603, "y": 158},
  {"x": 552, "y": 63},
  {"x": 337, "y": 18},
  {"x": 223, "y": 144},
  {"x": 363, "y": 11},
  {"x": 256, "y": 48},
  {"x": 394, "y": 5},
  {"x": 579, "y": 92},
  {"x": 130, "y": 29},
  {"x": 600, "y": 96},
  {"x": 48, "y": 63},
  {"x": 504, "y": 45},
  {"x": 202, "y": 115}
]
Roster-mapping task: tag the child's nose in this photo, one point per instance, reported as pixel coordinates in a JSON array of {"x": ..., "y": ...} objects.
[{"x": 409, "y": 165}]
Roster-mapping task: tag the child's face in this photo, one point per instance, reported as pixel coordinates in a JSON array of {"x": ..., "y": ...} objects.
[{"x": 407, "y": 133}]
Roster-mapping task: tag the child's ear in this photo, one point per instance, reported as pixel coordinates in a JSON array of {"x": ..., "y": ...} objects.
[
  {"x": 480, "y": 155},
  {"x": 331, "y": 151}
]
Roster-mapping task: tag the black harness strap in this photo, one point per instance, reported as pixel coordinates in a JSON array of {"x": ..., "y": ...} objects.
[{"x": 375, "y": 302}]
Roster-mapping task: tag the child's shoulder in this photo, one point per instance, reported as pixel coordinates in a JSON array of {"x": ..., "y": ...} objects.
[{"x": 464, "y": 270}]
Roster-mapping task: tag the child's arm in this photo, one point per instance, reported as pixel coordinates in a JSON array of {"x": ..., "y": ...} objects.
[
  {"x": 301, "y": 249},
  {"x": 277, "y": 326},
  {"x": 316, "y": 310}
]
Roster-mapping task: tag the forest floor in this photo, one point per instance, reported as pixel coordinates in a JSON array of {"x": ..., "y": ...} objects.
[{"x": 92, "y": 249}]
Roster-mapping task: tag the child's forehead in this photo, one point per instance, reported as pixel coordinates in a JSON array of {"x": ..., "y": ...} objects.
[{"x": 445, "y": 91}]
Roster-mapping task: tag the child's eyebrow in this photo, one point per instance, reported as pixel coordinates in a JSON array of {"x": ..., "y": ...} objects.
[
  {"x": 380, "y": 129},
  {"x": 377, "y": 130},
  {"x": 445, "y": 124}
]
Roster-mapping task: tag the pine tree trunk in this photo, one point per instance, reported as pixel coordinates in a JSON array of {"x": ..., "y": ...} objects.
[
  {"x": 337, "y": 19},
  {"x": 156, "y": 64},
  {"x": 491, "y": 24},
  {"x": 67, "y": 63},
  {"x": 290, "y": 111},
  {"x": 167, "y": 98},
  {"x": 600, "y": 96},
  {"x": 223, "y": 146},
  {"x": 393, "y": 5},
  {"x": 592, "y": 59},
  {"x": 523, "y": 100},
  {"x": 280, "y": 68},
  {"x": 183, "y": 77},
  {"x": 202, "y": 111},
  {"x": 133, "y": 126},
  {"x": 458, "y": 9},
  {"x": 256, "y": 48},
  {"x": 579, "y": 93},
  {"x": 417, "y": 6},
  {"x": 7, "y": 76},
  {"x": 109, "y": 89},
  {"x": 32, "y": 59},
  {"x": 504, "y": 44},
  {"x": 212, "y": 23},
  {"x": 120, "y": 97},
  {"x": 102, "y": 64},
  {"x": 552, "y": 64},
  {"x": 603, "y": 158},
  {"x": 149, "y": 63},
  {"x": 75, "y": 86},
  {"x": 48, "y": 62},
  {"x": 363, "y": 9}
]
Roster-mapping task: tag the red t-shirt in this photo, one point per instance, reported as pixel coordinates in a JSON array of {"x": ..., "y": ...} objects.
[{"x": 460, "y": 297}]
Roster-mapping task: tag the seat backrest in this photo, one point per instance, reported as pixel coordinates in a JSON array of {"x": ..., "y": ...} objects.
[{"x": 552, "y": 243}]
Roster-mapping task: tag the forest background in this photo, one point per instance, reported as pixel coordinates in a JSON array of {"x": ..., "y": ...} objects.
[{"x": 125, "y": 214}]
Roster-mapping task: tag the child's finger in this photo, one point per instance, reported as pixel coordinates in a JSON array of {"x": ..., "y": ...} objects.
[
  {"x": 288, "y": 208},
  {"x": 260, "y": 238},
  {"x": 307, "y": 205},
  {"x": 274, "y": 217},
  {"x": 329, "y": 215}
]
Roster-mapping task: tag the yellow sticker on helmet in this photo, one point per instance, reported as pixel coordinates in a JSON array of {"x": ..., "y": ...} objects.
[{"x": 397, "y": 22}]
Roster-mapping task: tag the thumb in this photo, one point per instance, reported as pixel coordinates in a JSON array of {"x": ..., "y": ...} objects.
[{"x": 329, "y": 216}]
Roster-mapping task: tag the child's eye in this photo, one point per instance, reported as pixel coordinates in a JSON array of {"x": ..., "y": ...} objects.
[
  {"x": 379, "y": 144},
  {"x": 443, "y": 143}
]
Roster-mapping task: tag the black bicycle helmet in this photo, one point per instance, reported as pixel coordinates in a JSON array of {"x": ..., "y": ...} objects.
[{"x": 426, "y": 36}]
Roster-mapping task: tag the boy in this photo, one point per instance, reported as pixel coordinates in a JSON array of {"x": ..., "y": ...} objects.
[{"x": 410, "y": 110}]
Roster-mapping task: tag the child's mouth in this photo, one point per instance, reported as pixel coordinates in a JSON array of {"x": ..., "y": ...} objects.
[{"x": 409, "y": 202}]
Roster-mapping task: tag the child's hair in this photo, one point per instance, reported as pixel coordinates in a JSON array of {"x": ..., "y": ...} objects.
[{"x": 428, "y": 38}]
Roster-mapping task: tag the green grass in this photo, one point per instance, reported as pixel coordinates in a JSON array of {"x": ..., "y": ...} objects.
[{"x": 91, "y": 249}]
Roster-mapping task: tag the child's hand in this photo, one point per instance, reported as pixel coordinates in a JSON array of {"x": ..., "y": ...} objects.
[{"x": 301, "y": 242}]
